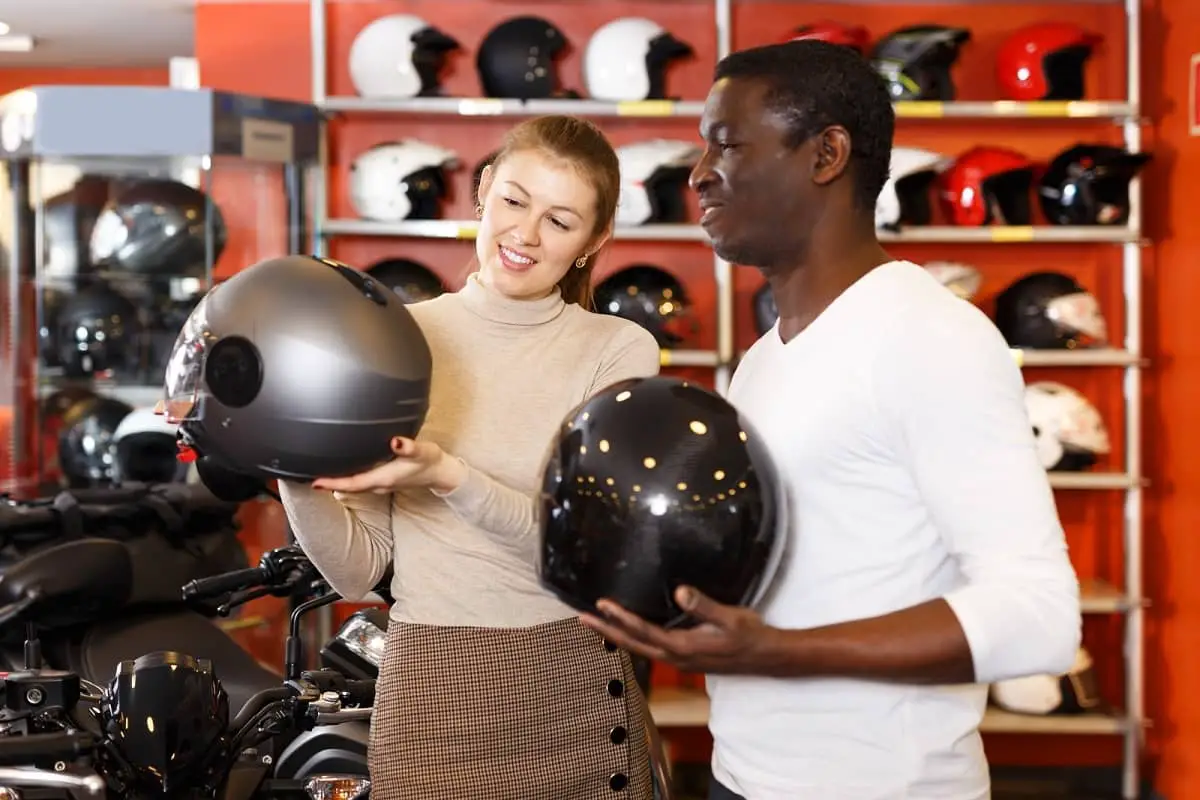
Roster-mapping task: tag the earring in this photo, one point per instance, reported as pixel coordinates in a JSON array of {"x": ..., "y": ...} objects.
[
  {"x": 479, "y": 211},
  {"x": 581, "y": 262}
]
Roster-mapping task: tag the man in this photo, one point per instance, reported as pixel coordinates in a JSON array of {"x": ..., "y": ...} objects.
[{"x": 925, "y": 557}]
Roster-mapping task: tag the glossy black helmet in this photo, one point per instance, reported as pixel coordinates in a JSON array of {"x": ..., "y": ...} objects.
[
  {"x": 654, "y": 483},
  {"x": 166, "y": 713}
]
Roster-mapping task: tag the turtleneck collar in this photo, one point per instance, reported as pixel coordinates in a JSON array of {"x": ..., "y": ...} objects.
[{"x": 486, "y": 302}]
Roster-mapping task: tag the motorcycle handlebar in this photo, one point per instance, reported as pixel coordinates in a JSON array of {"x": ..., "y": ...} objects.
[
  {"x": 360, "y": 693},
  {"x": 17, "y": 751},
  {"x": 225, "y": 583},
  {"x": 92, "y": 786}
]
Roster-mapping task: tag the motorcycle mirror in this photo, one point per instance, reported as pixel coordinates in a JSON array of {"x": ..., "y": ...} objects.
[{"x": 91, "y": 576}]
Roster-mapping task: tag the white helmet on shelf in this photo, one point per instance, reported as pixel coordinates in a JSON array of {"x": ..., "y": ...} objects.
[
  {"x": 1073, "y": 692},
  {"x": 653, "y": 175},
  {"x": 400, "y": 180},
  {"x": 1069, "y": 430},
  {"x": 398, "y": 56},
  {"x": 627, "y": 59},
  {"x": 962, "y": 279},
  {"x": 905, "y": 197}
]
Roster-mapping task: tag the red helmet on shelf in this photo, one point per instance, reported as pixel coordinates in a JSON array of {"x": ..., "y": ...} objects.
[
  {"x": 987, "y": 185},
  {"x": 1044, "y": 61},
  {"x": 855, "y": 37}
]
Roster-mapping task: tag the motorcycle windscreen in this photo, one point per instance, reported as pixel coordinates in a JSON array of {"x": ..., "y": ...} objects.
[{"x": 185, "y": 367}]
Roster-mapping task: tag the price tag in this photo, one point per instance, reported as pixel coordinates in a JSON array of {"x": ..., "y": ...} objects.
[
  {"x": 1018, "y": 355},
  {"x": 664, "y": 358},
  {"x": 467, "y": 232},
  {"x": 1012, "y": 233},
  {"x": 267, "y": 140},
  {"x": 481, "y": 107},
  {"x": 1044, "y": 108},
  {"x": 925, "y": 109},
  {"x": 646, "y": 108}
]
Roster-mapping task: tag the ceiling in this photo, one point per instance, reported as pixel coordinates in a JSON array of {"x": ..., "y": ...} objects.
[{"x": 92, "y": 33}]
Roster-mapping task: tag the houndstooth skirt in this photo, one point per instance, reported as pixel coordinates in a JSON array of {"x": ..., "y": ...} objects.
[{"x": 549, "y": 712}]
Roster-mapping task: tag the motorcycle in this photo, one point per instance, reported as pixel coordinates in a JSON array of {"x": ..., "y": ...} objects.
[
  {"x": 171, "y": 533},
  {"x": 161, "y": 728},
  {"x": 356, "y": 651}
]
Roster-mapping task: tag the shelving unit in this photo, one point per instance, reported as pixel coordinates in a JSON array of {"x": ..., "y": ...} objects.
[{"x": 681, "y": 707}]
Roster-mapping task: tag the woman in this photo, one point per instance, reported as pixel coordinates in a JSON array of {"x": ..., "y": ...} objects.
[{"x": 491, "y": 687}]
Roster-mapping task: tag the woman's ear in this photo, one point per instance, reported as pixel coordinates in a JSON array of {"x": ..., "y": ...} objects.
[
  {"x": 600, "y": 241},
  {"x": 486, "y": 176}
]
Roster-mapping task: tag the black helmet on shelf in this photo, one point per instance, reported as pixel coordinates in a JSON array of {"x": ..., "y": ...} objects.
[
  {"x": 915, "y": 61},
  {"x": 296, "y": 367},
  {"x": 87, "y": 447},
  {"x": 1048, "y": 310},
  {"x": 654, "y": 483},
  {"x": 157, "y": 227},
  {"x": 411, "y": 280},
  {"x": 1088, "y": 184},
  {"x": 651, "y": 297},
  {"x": 765, "y": 312},
  {"x": 517, "y": 59},
  {"x": 95, "y": 330}
]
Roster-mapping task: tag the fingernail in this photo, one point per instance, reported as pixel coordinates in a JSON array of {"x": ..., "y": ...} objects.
[
  {"x": 396, "y": 442},
  {"x": 686, "y": 598}
]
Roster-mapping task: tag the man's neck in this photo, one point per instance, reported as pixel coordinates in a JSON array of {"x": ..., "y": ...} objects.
[{"x": 805, "y": 289}]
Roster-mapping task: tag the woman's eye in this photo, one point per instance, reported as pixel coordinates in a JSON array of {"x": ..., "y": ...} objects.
[
  {"x": 511, "y": 202},
  {"x": 558, "y": 223}
]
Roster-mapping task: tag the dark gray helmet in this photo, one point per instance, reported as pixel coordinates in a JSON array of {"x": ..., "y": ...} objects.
[{"x": 297, "y": 367}]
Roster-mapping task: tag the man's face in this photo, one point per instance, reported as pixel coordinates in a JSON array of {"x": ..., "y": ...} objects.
[{"x": 754, "y": 192}]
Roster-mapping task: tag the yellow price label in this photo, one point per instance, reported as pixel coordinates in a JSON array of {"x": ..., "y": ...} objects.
[
  {"x": 467, "y": 232},
  {"x": 481, "y": 107},
  {"x": 1018, "y": 355},
  {"x": 1044, "y": 108},
  {"x": 925, "y": 109},
  {"x": 1012, "y": 233},
  {"x": 646, "y": 108},
  {"x": 664, "y": 358}
]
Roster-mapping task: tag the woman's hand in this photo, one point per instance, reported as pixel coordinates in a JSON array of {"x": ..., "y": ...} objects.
[{"x": 416, "y": 465}]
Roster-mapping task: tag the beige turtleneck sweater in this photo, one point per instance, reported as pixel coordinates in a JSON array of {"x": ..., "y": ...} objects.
[{"x": 505, "y": 374}]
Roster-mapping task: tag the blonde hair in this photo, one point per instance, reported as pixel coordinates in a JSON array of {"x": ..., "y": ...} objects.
[{"x": 583, "y": 145}]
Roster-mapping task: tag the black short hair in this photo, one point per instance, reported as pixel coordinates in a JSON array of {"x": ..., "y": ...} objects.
[{"x": 816, "y": 84}]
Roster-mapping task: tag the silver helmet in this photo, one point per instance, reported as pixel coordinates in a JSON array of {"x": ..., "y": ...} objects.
[{"x": 297, "y": 367}]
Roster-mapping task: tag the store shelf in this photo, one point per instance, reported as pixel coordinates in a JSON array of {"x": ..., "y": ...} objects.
[
  {"x": 1093, "y": 480},
  {"x": 1101, "y": 597},
  {"x": 1092, "y": 357},
  {"x": 673, "y": 707},
  {"x": 1003, "y": 234},
  {"x": 688, "y": 358},
  {"x": 495, "y": 107},
  {"x": 1012, "y": 234}
]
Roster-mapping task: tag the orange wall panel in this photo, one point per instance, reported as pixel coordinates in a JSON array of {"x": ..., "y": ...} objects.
[{"x": 13, "y": 78}]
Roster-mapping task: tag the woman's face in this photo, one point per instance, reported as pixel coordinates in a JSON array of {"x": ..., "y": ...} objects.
[{"x": 538, "y": 216}]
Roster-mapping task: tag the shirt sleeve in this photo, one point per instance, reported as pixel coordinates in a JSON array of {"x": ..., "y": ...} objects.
[
  {"x": 511, "y": 515},
  {"x": 348, "y": 537},
  {"x": 955, "y": 396}
]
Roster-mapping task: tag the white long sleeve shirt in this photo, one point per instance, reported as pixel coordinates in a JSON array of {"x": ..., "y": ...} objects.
[{"x": 898, "y": 424}]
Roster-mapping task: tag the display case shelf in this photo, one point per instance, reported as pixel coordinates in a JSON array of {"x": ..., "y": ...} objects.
[{"x": 648, "y": 109}]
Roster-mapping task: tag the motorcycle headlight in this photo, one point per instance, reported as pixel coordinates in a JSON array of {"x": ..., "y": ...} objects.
[
  {"x": 363, "y": 638},
  {"x": 337, "y": 787}
]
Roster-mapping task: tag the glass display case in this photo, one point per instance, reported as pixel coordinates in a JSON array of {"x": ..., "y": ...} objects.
[{"x": 120, "y": 206}]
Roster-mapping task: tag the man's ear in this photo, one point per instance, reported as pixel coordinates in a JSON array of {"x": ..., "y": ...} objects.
[
  {"x": 486, "y": 176},
  {"x": 831, "y": 156}
]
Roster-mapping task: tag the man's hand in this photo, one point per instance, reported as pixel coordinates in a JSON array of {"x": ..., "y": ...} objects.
[
  {"x": 416, "y": 465},
  {"x": 729, "y": 639}
]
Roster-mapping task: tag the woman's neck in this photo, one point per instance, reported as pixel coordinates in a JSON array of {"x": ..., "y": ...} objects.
[{"x": 487, "y": 302}]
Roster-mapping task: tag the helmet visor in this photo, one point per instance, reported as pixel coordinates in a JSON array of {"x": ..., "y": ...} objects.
[{"x": 185, "y": 367}]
